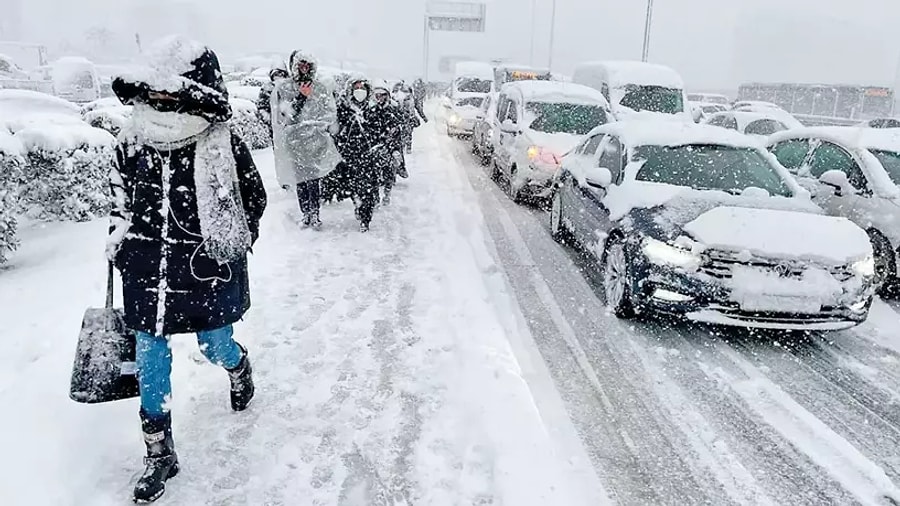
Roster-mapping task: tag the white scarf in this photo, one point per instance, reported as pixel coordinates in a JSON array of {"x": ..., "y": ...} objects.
[
  {"x": 165, "y": 130},
  {"x": 220, "y": 208}
]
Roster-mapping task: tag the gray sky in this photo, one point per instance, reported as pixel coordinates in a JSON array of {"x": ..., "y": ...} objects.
[{"x": 713, "y": 43}]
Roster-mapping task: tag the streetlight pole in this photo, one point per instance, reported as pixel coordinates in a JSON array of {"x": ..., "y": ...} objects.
[
  {"x": 552, "y": 34},
  {"x": 646, "y": 53},
  {"x": 533, "y": 23}
]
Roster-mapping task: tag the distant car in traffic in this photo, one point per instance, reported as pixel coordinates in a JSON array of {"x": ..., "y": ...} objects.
[
  {"x": 709, "y": 98},
  {"x": 760, "y": 125},
  {"x": 881, "y": 123},
  {"x": 699, "y": 221},
  {"x": 854, "y": 173},
  {"x": 483, "y": 129},
  {"x": 703, "y": 110},
  {"x": 536, "y": 123},
  {"x": 637, "y": 90},
  {"x": 462, "y": 114}
]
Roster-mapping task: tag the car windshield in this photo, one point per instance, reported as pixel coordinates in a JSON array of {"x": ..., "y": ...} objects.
[
  {"x": 890, "y": 160},
  {"x": 473, "y": 85},
  {"x": 578, "y": 119},
  {"x": 710, "y": 167},
  {"x": 470, "y": 101},
  {"x": 653, "y": 98}
]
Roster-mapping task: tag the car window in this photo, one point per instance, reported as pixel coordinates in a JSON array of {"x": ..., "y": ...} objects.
[
  {"x": 829, "y": 156},
  {"x": 890, "y": 160},
  {"x": 764, "y": 127},
  {"x": 710, "y": 167},
  {"x": 486, "y": 105},
  {"x": 590, "y": 147},
  {"x": 512, "y": 113},
  {"x": 716, "y": 121},
  {"x": 653, "y": 98},
  {"x": 791, "y": 154},
  {"x": 730, "y": 123},
  {"x": 553, "y": 117},
  {"x": 611, "y": 156},
  {"x": 501, "y": 108}
]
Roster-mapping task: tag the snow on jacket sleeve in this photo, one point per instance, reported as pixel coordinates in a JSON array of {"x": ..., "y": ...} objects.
[
  {"x": 253, "y": 193},
  {"x": 120, "y": 215}
]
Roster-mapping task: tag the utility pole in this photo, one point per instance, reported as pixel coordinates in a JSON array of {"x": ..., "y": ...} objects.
[
  {"x": 645, "y": 56},
  {"x": 552, "y": 34}
]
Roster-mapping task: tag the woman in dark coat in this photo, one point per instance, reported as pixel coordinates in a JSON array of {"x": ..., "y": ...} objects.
[
  {"x": 188, "y": 202},
  {"x": 357, "y": 139}
]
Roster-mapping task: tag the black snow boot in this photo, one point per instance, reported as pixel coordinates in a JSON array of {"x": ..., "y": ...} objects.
[
  {"x": 307, "y": 220},
  {"x": 314, "y": 221},
  {"x": 242, "y": 388},
  {"x": 161, "y": 460}
]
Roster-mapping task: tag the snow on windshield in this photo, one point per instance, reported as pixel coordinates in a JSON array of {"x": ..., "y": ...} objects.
[{"x": 559, "y": 117}]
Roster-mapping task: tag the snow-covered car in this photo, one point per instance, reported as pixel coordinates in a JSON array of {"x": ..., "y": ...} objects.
[
  {"x": 257, "y": 78},
  {"x": 483, "y": 129},
  {"x": 709, "y": 98},
  {"x": 700, "y": 221},
  {"x": 107, "y": 114},
  {"x": 753, "y": 105},
  {"x": 854, "y": 173},
  {"x": 537, "y": 122},
  {"x": 462, "y": 114},
  {"x": 637, "y": 90},
  {"x": 759, "y": 125},
  {"x": 881, "y": 123},
  {"x": 703, "y": 110},
  {"x": 10, "y": 70},
  {"x": 75, "y": 79}
]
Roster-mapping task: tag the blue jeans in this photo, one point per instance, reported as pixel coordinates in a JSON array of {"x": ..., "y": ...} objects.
[{"x": 154, "y": 363}]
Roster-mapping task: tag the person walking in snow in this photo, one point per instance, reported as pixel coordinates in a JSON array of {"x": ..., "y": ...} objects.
[
  {"x": 264, "y": 102},
  {"x": 187, "y": 206},
  {"x": 304, "y": 118},
  {"x": 388, "y": 149},
  {"x": 357, "y": 139},
  {"x": 410, "y": 113}
]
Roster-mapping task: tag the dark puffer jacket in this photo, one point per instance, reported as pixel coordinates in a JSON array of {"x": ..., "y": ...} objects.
[{"x": 164, "y": 256}]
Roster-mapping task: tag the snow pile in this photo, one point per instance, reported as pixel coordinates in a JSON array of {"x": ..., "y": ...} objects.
[
  {"x": 10, "y": 174},
  {"x": 110, "y": 119},
  {"x": 662, "y": 133},
  {"x": 249, "y": 125}
]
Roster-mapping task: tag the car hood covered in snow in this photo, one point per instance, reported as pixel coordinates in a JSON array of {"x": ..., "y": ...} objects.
[{"x": 775, "y": 233}]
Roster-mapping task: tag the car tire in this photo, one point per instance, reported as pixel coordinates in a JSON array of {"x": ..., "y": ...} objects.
[
  {"x": 495, "y": 172},
  {"x": 885, "y": 263},
  {"x": 514, "y": 194},
  {"x": 616, "y": 271},
  {"x": 558, "y": 229}
]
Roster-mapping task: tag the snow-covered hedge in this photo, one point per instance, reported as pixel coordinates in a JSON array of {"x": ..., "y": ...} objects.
[
  {"x": 248, "y": 124},
  {"x": 111, "y": 119},
  {"x": 11, "y": 164},
  {"x": 65, "y": 176}
]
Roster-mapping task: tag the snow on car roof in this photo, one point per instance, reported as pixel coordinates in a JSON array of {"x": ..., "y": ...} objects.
[
  {"x": 665, "y": 133},
  {"x": 16, "y": 103},
  {"x": 556, "y": 91},
  {"x": 744, "y": 118},
  {"x": 851, "y": 137},
  {"x": 622, "y": 73}
]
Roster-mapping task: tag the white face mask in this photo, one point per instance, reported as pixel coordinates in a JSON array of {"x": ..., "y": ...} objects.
[
  {"x": 360, "y": 95},
  {"x": 165, "y": 127}
]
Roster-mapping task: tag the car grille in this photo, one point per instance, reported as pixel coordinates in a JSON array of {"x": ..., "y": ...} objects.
[{"x": 720, "y": 265}]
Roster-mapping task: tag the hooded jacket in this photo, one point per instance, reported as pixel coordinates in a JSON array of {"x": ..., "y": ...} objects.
[
  {"x": 302, "y": 126},
  {"x": 358, "y": 134},
  {"x": 172, "y": 282}
]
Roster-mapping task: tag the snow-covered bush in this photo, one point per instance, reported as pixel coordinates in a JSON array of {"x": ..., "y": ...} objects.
[
  {"x": 11, "y": 164},
  {"x": 65, "y": 176},
  {"x": 248, "y": 124}
]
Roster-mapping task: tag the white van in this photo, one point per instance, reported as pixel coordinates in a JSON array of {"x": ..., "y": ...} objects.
[
  {"x": 76, "y": 80},
  {"x": 635, "y": 89},
  {"x": 472, "y": 82}
]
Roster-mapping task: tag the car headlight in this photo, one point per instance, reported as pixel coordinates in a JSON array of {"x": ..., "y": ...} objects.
[
  {"x": 661, "y": 253},
  {"x": 541, "y": 156},
  {"x": 864, "y": 267},
  {"x": 454, "y": 118}
]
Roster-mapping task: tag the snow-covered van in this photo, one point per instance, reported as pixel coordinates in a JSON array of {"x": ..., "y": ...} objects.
[
  {"x": 75, "y": 79},
  {"x": 472, "y": 82},
  {"x": 637, "y": 89}
]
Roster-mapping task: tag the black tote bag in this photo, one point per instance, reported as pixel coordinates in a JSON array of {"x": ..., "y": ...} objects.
[{"x": 104, "y": 368}]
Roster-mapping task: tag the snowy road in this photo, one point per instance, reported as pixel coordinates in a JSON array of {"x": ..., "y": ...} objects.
[
  {"x": 679, "y": 414},
  {"x": 455, "y": 355}
]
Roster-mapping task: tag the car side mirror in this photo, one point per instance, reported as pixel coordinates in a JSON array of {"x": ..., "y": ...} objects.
[
  {"x": 598, "y": 177},
  {"x": 509, "y": 127},
  {"x": 838, "y": 181}
]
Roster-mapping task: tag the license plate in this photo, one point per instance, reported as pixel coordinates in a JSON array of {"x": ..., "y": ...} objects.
[{"x": 781, "y": 304}]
